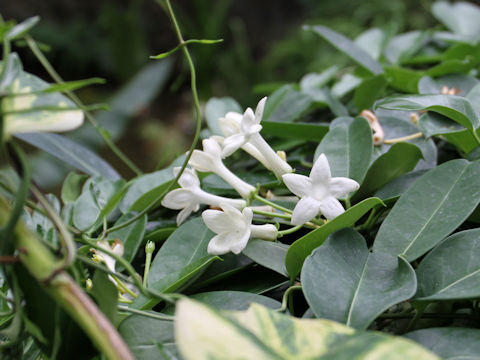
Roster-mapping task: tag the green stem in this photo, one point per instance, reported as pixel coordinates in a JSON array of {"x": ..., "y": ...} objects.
[
  {"x": 286, "y": 296},
  {"x": 347, "y": 203},
  {"x": 124, "y": 287},
  {"x": 185, "y": 43},
  {"x": 271, "y": 214},
  {"x": 146, "y": 313},
  {"x": 56, "y": 77},
  {"x": 272, "y": 204},
  {"x": 149, "y": 248},
  {"x": 289, "y": 231},
  {"x": 419, "y": 310},
  {"x": 198, "y": 118}
]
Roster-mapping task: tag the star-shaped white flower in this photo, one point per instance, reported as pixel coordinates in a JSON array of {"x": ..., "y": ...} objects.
[
  {"x": 99, "y": 256},
  {"x": 234, "y": 229},
  {"x": 190, "y": 196},
  {"x": 318, "y": 192},
  {"x": 210, "y": 159},
  {"x": 244, "y": 131}
]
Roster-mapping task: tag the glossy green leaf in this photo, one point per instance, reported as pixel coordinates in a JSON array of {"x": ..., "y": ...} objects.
[
  {"x": 432, "y": 124},
  {"x": 217, "y": 108},
  {"x": 398, "y": 186},
  {"x": 348, "y": 146},
  {"x": 301, "y": 248},
  {"x": 348, "y": 47},
  {"x": 260, "y": 333},
  {"x": 430, "y": 210},
  {"x": 398, "y": 160},
  {"x": 22, "y": 28},
  {"x": 456, "y": 108},
  {"x": 463, "y": 83},
  {"x": 453, "y": 66},
  {"x": 452, "y": 269},
  {"x": 268, "y": 254},
  {"x": 72, "y": 85},
  {"x": 175, "y": 281},
  {"x": 72, "y": 187},
  {"x": 372, "y": 41},
  {"x": 347, "y": 83},
  {"x": 461, "y": 17},
  {"x": 105, "y": 293},
  {"x": 368, "y": 91},
  {"x": 312, "y": 84},
  {"x": 343, "y": 281},
  {"x": 464, "y": 140},
  {"x": 72, "y": 153},
  {"x": 144, "y": 188},
  {"x": 297, "y": 130},
  {"x": 450, "y": 343},
  {"x": 13, "y": 70},
  {"x": 286, "y": 105},
  {"x": 402, "y": 47},
  {"x": 131, "y": 235},
  {"x": 185, "y": 246}
]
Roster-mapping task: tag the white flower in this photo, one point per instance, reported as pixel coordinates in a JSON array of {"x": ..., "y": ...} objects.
[
  {"x": 319, "y": 192},
  {"x": 244, "y": 131},
  {"x": 210, "y": 159},
  {"x": 117, "y": 248},
  {"x": 234, "y": 228},
  {"x": 190, "y": 196}
]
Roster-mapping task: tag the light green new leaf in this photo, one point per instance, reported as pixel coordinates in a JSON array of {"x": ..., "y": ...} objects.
[
  {"x": 449, "y": 343},
  {"x": 433, "y": 207},
  {"x": 398, "y": 160},
  {"x": 452, "y": 269},
  {"x": 267, "y": 253},
  {"x": 217, "y": 108},
  {"x": 301, "y": 248},
  {"x": 343, "y": 281},
  {"x": 403, "y": 79},
  {"x": 260, "y": 333},
  {"x": 348, "y": 47},
  {"x": 457, "y": 108},
  {"x": 348, "y": 147}
]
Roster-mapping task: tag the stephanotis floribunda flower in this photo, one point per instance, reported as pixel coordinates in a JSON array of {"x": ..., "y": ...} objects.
[
  {"x": 318, "y": 192},
  {"x": 234, "y": 229},
  {"x": 99, "y": 256},
  {"x": 210, "y": 159},
  {"x": 244, "y": 131},
  {"x": 190, "y": 196}
]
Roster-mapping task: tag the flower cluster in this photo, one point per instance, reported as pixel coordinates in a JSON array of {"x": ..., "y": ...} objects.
[{"x": 318, "y": 192}]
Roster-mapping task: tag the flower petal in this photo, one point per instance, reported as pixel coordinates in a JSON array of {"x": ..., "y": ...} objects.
[
  {"x": 189, "y": 178},
  {"x": 229, "y": 126},
  {"x": 185, "y": 213},
  {"x": 202, "y": 161},
  {"x": 248, "y": 121},
  {"x": 178, "y": 199},
  {"x": 331, "y": 207},
  {"x": 321, "y": 170},
  {"x": 211, "y": 147},
  {"x": 217, "y": 221},
  {"x": 260, "y": 108},
  {"x": 341, "y": 186},
  {"x": 240, "y": 242},
  {"x": 221, "y": 244},
  {"x": 305, "y": 210},
  {"x": 298, "y": 184},
  {"x": 232, "y": 143},
  {"x": 238, "y": 221},
  {"x": 234, "y": 116}
]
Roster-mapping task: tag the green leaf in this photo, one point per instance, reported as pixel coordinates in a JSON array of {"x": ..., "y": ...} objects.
[
  {"x": 450, "y": 342},
  {"x": 72, "y": 85},
  {"x": 461, "y": 18},
  {"x": 368, "y": 91},
  {"x": 403, "y": 79},
  {"x": 453, "y": 66},
  {"x": 398, "y": 160},
  {"x": 174, "y": 281},
  {"x": 452, "y": 269},
  {"x": 217, "y": 108},
  {"x": 72, "y": 153},
  {"x": 402, "y": 47},
  {"x": 145, "y": 189},
  {"x": 347, "y": 83},
  {"x": 312, "y": 84},
  {"x": 348, "y": 146},
  {"x": 260, "y": 333},
  {"x": 185, "y": 246},
  {"x": 395, "y": 188},
  {"x": 21, "y": 29},
  {"x": 432, "y": 124},
  {"x": 13, "y": 70},
  {"x": 286, "y": 105},
  {"x": 456, "y": 108},
  {"x": 72, "y": 187},
  {"x": 298, "y": 130},
  {"x": 301, "y": 248},
  {"x": 105, "y": 294},
  {"x": 131, "y": 235},
  {"x": 348, "y": 47},
  {"x": 372, "y": 41},
  {"x": 343, "y": 281},
  {"x": 431, "y": 209},
  {"x": 268, "y": 254}
]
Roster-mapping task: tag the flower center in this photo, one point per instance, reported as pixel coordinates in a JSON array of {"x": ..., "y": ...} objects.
[{"x": 320, "y": 191}]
